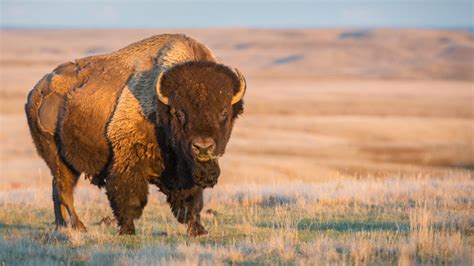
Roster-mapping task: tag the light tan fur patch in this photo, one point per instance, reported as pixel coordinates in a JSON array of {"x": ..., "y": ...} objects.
[{"x": 133, "y": 137}]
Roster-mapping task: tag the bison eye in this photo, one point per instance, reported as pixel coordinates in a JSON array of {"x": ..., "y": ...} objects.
[
  {"x": 180, "y": 116},
  {"x": 223, "y": 117}
]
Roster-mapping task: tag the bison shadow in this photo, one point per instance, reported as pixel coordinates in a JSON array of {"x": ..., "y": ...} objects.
[
  {"x": 343, "y": 226},
  {"x": 351, "y": 226}
]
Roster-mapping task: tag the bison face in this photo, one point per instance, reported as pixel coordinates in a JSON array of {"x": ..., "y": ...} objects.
[{"x": 203, "y": 99}]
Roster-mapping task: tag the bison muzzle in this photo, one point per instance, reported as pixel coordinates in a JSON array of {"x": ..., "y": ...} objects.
[{"x": 159, "y": 111}]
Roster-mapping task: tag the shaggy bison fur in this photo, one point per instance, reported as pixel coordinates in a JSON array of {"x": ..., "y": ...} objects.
[{"x": 159, "y": 111}]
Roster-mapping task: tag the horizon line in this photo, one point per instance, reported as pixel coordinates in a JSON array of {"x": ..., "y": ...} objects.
[{"x": 469, "y": 28}]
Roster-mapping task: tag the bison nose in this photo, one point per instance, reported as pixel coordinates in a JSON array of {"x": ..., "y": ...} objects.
[{"x": 203, "y": 146}]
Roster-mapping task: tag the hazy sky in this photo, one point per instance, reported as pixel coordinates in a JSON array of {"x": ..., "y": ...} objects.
[{"x": 222, "y": 13}]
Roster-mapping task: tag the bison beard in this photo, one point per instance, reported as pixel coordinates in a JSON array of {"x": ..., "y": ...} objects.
[
  {"x": 190, "y": 171},
  {"x": 205, "y": 174}
]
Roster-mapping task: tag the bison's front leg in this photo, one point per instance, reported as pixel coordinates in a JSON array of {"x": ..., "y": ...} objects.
[
  {"x": 186, "y": 205},
  {"x": 128, "y": 195}
]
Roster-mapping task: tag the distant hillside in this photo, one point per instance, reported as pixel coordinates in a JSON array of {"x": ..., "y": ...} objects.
[{"x": 359, "y": 54}]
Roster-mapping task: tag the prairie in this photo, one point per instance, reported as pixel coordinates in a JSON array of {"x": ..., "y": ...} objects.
[
  {"x": 356, "y": 147},
  {"x": 425, "y": 220}
]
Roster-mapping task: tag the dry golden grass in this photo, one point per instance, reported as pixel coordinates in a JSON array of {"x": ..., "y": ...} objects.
[
  {"x": 351, "y": 151},
  {"x": 393, "y": 220}
]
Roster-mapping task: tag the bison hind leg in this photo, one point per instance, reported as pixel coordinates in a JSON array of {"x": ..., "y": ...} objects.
[
  {"x": 64, "y": 181},
  {"x": 42, "y": 109}
]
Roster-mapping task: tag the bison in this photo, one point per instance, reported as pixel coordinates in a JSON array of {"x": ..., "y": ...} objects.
[{"x": 159, "y": 111}]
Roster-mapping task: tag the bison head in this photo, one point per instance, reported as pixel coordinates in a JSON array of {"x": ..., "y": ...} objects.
[{"x": 201, "y": 100}]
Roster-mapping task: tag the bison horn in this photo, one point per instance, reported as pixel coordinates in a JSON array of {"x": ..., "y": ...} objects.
[
  {"x": 243, "y": 86},
  {"x": 161, "y": 97}
]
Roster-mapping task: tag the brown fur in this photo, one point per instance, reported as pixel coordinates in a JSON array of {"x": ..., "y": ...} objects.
[{"x": 100, "y": 116}]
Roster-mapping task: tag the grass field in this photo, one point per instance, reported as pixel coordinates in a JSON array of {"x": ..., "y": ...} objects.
[
  {"x": 351, "y": 151},
  {"x": 394, "y": 220}
]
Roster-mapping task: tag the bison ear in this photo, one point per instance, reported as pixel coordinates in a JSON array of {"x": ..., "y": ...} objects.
[
  {"x": 242, "y": 87},
  {"x": 160, "y": 95}
]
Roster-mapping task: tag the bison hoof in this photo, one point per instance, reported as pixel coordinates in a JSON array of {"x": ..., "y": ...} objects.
[
  {"x": 126, "y": 230},
  {"x": 196, "y": 229},
  {"x": 79, "y": 226},
  {"x": 60, "y": 227}
]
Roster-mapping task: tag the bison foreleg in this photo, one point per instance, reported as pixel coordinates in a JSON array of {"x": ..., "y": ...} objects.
[
  {"x": 128, "y": 195},
  {"x": 186, "y": 205}
]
